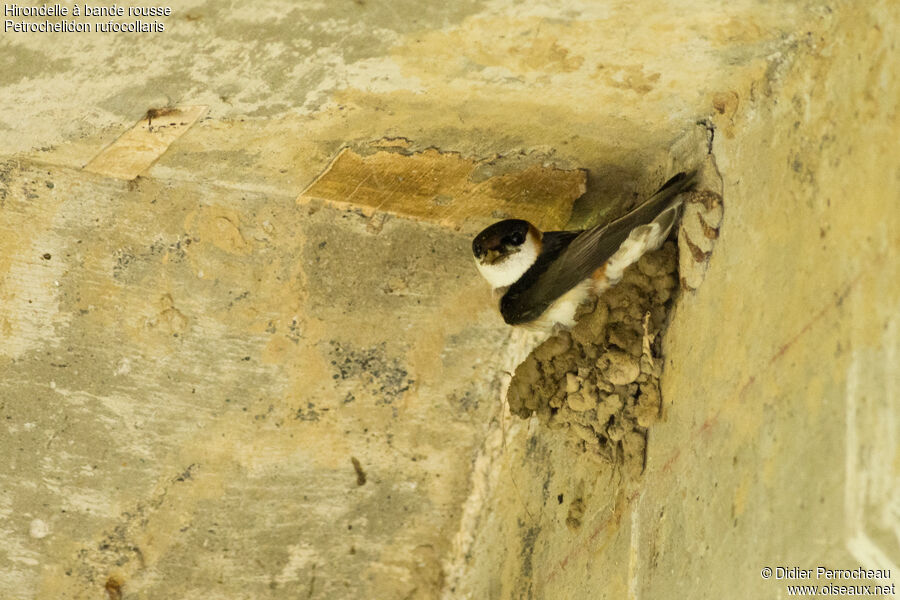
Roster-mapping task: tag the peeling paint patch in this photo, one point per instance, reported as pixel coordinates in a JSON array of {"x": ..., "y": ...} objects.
[
  {"x": 299, "y": 556},
  {"x": 139, "y": 147},
  {"x": 220, "y": 227},
  {"x": 443, "y": 187}
]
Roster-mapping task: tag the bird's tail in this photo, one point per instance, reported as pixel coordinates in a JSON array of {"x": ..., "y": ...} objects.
[
  {"x": 645, "y": 228},
  {"x": 660, "y": 201}
]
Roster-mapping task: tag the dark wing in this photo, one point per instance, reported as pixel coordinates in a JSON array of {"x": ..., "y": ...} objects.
[
  {"x": 553, "y": 243},
  {"x": 550, "y": 278}
]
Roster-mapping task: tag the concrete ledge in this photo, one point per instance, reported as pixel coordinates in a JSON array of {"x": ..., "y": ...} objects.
[{"x": 196, "y": 369}]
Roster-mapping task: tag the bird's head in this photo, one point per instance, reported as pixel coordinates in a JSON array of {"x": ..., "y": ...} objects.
[{"x": 506, "y": 250}]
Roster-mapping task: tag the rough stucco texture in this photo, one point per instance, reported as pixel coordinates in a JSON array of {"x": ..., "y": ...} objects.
[
  {"x": 222, "y": 378},
  {"x": 778, "y": 445}
]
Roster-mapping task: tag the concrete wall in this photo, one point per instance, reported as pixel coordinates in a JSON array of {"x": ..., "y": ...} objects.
[
  {"x": 236, "y": 363},
  {"x": 779, "y": 444}
]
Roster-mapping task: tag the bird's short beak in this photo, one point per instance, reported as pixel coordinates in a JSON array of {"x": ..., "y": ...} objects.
[{"x": 492, "y": 256}]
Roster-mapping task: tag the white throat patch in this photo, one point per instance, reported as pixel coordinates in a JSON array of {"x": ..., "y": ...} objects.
[{"x": 506, "y": 272}]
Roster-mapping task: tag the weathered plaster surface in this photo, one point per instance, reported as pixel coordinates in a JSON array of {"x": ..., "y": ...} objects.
[
  {"x": 779, "y": 442},
  {"x": 190, "y": 361},
  {"x": 213, "y": 361}
]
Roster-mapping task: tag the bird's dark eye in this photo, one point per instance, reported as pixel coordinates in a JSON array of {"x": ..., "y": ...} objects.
[{"x": 517, "y": 238}]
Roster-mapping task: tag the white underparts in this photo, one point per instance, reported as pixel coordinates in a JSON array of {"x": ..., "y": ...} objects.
[
  {"x": 562, "y": 311},
  {"x": 507, "y": 271}
]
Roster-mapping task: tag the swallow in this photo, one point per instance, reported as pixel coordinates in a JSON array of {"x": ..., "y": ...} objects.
[{"x": 542, "y": 277}]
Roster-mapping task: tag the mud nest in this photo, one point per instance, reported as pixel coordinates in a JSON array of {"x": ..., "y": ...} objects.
[{"x": 600, "y": 381}]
